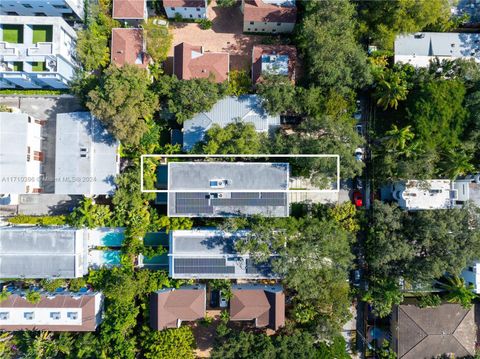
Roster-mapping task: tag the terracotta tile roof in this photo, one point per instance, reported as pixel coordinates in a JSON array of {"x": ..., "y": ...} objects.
[
  {"x": 259, "y": 50},
  {"x": 169, "y": 306},
  {"x": 128, "y": 9},
  {"x": 128, "y": 47},
  {"x": 191, "y": 62},
  {"x": 257, "y": 10},
  {"x": 431, "y": 332},
  {"x": 184, "y": 3},
  {"x": 85, "y": 302},
  {"x": 259, "y": 303}
]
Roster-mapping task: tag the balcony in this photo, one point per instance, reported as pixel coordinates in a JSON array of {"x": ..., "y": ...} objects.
[
  {"x": 6, "y": 49},
  {"x": 41, "y": 48}
]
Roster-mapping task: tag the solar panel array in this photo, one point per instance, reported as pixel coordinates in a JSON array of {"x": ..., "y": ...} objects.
[
  {"x": 202, "y": 266},
  {"x": 198, "y": 202}
]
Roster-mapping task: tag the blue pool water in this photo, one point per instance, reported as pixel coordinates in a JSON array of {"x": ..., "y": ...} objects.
[
  {"x": 113, "y": 239},
  {"x": 111, "y": 258}
]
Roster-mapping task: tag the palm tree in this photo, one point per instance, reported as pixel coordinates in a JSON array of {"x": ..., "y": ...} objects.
[
  {"x": 457, "y": 163},
  {"x": 398, "y": 139},
  {"x": 391, "y": 89},
  {"x": 457, "y": 291}
]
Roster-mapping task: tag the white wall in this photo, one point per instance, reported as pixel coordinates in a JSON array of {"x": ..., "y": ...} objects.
[
  {"x": 187, "y": 12},
  {"x": 472, "y": 276},
  {"x": 268, "y": 27}
]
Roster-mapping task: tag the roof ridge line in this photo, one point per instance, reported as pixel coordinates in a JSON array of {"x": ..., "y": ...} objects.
[{"x": 426, "y": 334}]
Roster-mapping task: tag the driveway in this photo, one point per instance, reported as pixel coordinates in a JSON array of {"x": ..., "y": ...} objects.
[
  {"x": 45, "y": 108},
  {"x": 225, "y": 35}
]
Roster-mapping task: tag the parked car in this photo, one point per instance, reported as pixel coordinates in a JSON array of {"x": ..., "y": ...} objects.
[
  {"x": 357, "y": 199},
  {"x": 357, "y": 183},
  {"x": 356, "y": 277},
  {"x": 223, "y": 300},
  {"x": 360, "y": 129},
  {"x": 357, "y": 115},
  {"x": 214, "y": 298},
  {"x": 359, "y": 152}
]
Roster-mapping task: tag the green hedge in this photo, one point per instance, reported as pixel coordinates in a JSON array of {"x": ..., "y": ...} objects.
[
  {"x": 33, "y": 92},
  {"x": 38, "y": 220}
]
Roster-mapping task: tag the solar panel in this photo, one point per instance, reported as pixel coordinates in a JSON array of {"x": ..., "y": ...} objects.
[
  {"x": 202, "y": 266},
  {"x": 192, "y": 203},
  {"x": 255, "y": 202},
  {"x": 245, "y": 195},
  {"x": 277, "y": 195}
]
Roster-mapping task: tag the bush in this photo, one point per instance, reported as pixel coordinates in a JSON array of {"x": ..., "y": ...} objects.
[
  {"x": 33, "y": 297},
  {"x": 76, "y": 284},
  {"x": 226, "y": 3},
  {"x": 33, "y": 92},
  {"x": 239, "y": 83},
  {"x": 51, "y": 284},
  {"x": 178, "y": 17},
  {"x": 38, "y": 220},
  {"x": 429, "y": 301},
  {"x": 205, "y": 24}
]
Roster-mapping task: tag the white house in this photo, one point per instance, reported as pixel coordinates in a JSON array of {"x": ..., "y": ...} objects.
[
  {"x": 187, "y": 9},
  {"x": 269, "y": 16},
  {"x": 21, "y": 156},
  {"x": 420, "y": 48},
  {"x": 415, "y": 195},
  {"x": 68, "y": 9},
  {"x": 36, "y": 52},
  {"x": 471, "y": 275}
]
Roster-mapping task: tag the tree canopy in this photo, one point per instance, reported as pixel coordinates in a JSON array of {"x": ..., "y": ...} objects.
[{"x": 122, "y": 100}]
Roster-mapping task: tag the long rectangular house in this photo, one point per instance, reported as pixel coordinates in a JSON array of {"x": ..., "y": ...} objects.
[
  {"x": 211, "y": 254},
  {"x": 227, "y": 189},
  {"x": 65, "y": 312}
]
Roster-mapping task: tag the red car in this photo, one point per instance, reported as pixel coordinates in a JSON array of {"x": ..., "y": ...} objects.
[{"x": 357, "y": 199}]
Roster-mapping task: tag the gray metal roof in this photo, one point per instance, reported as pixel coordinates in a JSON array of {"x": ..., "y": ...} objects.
[
  {"x": 210, "y": 253},
  {"x": 86, "y": 156},
  {"x": 449, "y": 44},
  {"x": 252, "y": 181},
  {"x": 36, "y": 252},
  {"x": 13, "y": 151},
  {"x": 247, "y": 108}
]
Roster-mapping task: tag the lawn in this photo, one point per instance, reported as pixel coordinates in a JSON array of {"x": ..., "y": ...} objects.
[
  {"x": 12, "y": 34},
  {"x": 18, "y": 66},
  {"x": 42, "y": 33},
  {"x": 39, "y": 66}
]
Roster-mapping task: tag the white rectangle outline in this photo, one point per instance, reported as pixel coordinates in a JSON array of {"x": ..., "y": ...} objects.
[{"x": 183, "y": 155}]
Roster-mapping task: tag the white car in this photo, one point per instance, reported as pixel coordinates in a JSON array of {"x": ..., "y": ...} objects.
[
  {"x": 359, "y": 154},
  {"x": 223, "y": 301}
]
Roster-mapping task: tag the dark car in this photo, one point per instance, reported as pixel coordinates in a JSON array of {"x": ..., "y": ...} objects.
[
  {"x": 215, "y": 298},
  {"x": 357, "y": 183}
]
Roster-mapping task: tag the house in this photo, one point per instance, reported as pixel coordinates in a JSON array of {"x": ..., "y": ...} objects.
[
  {"x": 415, "y": 195},
  {"x": 55, "y": 312},
  {"x": 420, "y": 48},
  {"x": 43, "y": 252},
  {"x": 131, "y": 12},
  {"x": 264, "y": 304},
  {"x": 247, "y": 108},
  {"x": 187, "y": 9},
  {"x": 21, "y": 155},
  {"x": 86, "y": 156},
  {"x": 471, "y": 275},
  {"x": 424, "y": 333},
  {"x": 468, "y": 189},
  {"x": 269, "y": 16},
  {"x": 210, "y": 253},
  {"x": 36, "y": 52},
  {"x": 68, "y": 9},
  {"x": 191, "y": 62},
  {"x": 170, "y": 307},
  {"x": 128, "y": 47},
  {"x": 273, "y": 59},
  {"x": 227, "y": 189}
]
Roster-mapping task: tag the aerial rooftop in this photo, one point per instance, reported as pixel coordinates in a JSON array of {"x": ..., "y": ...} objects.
[
  {"x": 247, "y": 109},
  {"x": 419, "y": 48},
  {"x": 430, "y": 194},
  {"x": 86, "y": 156},
  {"x": 273, "y": 59},
  {"x": 128, "y": 47},
  {"x": 222, "y": 189},
  {"x": 43, "y": 252},
  {"x": 282, "y": 11},
  {"x": 129, "y": 9},
  {"x": 191, "y": 62},
  {"x": 211, "y": 254}
]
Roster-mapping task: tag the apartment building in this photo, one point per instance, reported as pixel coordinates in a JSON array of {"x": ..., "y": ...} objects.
[
  {"x": 36, "y": 52},
  {"x": 68, "y": 9}
]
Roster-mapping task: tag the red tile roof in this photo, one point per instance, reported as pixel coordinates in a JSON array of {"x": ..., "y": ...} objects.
[
  {"x": 85, "y": 302},
  {"x": 266, "y": 307},
  {"x": 184, "y": 3},
  {"x": 257, "y": 10},
  {"x": 128, "y": 9},
  {"x": 259, "y": 50},
  {"x": 128, "y": 47},
  {"x": 169, "y": 306},
  {"x": 191, "y": 62}
]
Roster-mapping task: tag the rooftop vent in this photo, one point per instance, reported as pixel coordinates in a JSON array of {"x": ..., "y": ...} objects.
[{"x": 419, "y": 35}]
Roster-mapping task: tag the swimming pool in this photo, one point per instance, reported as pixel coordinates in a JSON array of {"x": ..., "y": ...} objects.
[
  {"x": 106, "y": 237},
  {"x": 98, "y": 258}
]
